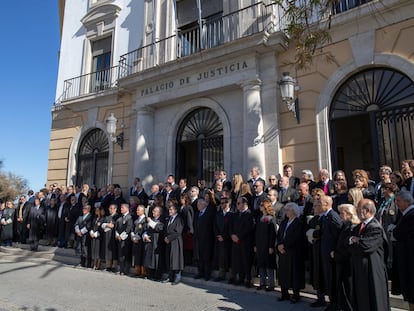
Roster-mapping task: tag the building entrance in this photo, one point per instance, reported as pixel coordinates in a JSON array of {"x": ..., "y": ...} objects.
[
  {"x": 372, "y": 121},
  {"x": 199, "y": 146}
]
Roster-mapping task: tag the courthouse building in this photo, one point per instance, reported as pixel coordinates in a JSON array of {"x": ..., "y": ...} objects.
[{"x": 194, "y": 87}]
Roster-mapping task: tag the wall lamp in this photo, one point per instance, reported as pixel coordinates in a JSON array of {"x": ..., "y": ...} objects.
[
  {"x": 111, "y": 129},
  {"x": 288, "y": 87}
]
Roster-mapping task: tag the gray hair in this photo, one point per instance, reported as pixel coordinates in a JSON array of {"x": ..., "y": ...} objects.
[
  {"x": 308, "y": 173},
  {"x": 405, "y": 196},
  {"x": 294, "y": 207}
]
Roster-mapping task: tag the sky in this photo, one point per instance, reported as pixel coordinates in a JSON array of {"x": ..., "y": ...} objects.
[{"x": 29, "y": 53}]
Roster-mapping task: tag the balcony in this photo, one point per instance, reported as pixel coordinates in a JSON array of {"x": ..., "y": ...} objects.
[
  {"x": 91, "y": 83},
  {"x": 214, "y": 32}
]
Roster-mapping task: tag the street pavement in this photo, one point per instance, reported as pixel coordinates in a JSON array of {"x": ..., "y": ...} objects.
[
  {"x": 34, "y": 281},
  {"x": 42, "y": 285}
]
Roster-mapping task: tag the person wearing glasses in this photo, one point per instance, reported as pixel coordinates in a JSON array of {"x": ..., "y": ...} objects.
[{"x": 273, "y": 183}]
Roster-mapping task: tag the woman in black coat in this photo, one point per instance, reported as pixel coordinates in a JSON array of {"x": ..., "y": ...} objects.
[
  {"x": 265, "y": 245},
  {"x": 96, "y": 235},
  {"x": 289, "y": 246},
  {"x": 343, "y": 258}
]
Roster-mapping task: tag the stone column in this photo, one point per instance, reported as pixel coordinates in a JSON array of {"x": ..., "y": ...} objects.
[
  {"x": 253, "y": 138},
  {"x": 143, "y": 158}
]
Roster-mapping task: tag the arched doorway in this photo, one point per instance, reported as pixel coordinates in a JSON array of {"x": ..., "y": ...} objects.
[
  {"x": 372, "y": 120},
  {"x": 199, "y": 146},
  {"x": 92, "y": 159}
]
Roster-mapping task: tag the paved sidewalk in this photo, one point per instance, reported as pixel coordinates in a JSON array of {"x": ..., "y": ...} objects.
[{"x": 63, "y": 259}]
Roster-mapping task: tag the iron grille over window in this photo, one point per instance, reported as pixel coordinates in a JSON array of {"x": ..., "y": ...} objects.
[
  {"x": 372, "y": 117},
  {"x": 93, "y": 159}
]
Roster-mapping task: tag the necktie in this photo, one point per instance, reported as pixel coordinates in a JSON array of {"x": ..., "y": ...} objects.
[
  {"x": 362, "y": 227},
  {"x": 325, "y": 188}
]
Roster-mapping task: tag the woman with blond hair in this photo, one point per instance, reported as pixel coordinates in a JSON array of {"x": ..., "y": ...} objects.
[
  {"x": 265, "y": 246},
  {"x": 342, "y": 257},
  {"x": 246, "y": 193},
  {"x": 236, "y": 190},
  {"x": 354, "y": 196}
]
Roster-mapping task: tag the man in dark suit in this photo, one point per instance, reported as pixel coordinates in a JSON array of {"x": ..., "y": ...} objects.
[
  {"x": 404, "y": 234},
  {"x": 258, "y": 197},
  {"x": 182, "y": 188},
  {"x": 133, "y": 191},
  {"x": 204, "y": 236},
  {"x": 255, "y": 172},
  {"x": 366, "y": 245},
  {"x": 226, "y": 183},
  {"x": 242, "y": 236},
  {"x": 168, "y": 193},
  {"x": 286, "y": 193},
  {"x": 304, "y": 200},
  {"x": 331, "y": 225},
  {"x": 288, "y": 172},
  {"x": 326, "y": 184}
]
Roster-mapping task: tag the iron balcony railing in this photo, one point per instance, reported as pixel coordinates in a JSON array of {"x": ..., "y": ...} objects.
[
  {"x": 213, "y": 32},
  {"x": 90, "y": 83}
]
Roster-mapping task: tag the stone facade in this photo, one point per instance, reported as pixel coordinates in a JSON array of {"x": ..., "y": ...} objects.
[{"x": 238, "y": 81}]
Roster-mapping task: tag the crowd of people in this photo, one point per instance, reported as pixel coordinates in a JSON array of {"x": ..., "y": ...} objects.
[{"x": 347, "y": 238}]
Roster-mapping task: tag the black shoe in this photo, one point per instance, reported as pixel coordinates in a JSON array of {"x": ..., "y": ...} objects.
[
  {"x": 198, "y": 276},
  {"x": 248, "y": 284},
  {"x": 218, "y": 279},
  {"x": 238, "y": 282},
  {"x": 270, "y": 289},
  {"x": 207, "y": 278},
  {"x": 318, "y": 304},
  {"x": 294, "y": 299},
  {"x": 231, "y": 281},
  {"x": 283, "y": 298},
  {"x": 260, "y": 287},
  {"x": 175, "y": 282}
]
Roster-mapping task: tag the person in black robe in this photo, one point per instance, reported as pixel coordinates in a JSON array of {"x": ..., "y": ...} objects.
[
  {"x": 110, "y": 245},
  {"x": 342, "y": 257},
  {"x": 265, "y": 246},
  {"x": 138, "y": 246},
  {"x": 35, "y": 224},
  {"x": 7, "y": 222},
  {"x": 289, "y": 246},
  {"x": 403, "y": 233},
  {"x": 369, "y": 275},
  {"x": 153, "y": 238},
  {"x": 62, "y": 215},
  {"x": 313, "y": 234},
  {"x": 242, "y": 236},
  {"x": 73, "y": 214},
  {"x": 82, "y": 227},
  {"x": 187, "y": 215},
  {"x": 123, "y": 229},
  {"x": 204, "y": 238},
  {"x": 174, "y": 243},
  {"x": 96, "y": 235},
  {"x": 222, "y": 225},
  {"x": 52, "y": 222}
]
